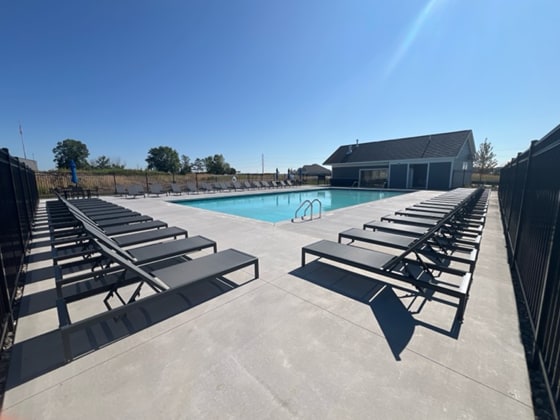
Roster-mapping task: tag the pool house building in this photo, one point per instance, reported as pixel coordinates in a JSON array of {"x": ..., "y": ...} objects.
[{"x": 435, "y": 162}]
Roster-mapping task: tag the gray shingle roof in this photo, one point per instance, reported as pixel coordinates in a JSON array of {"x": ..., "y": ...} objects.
[
  {"x": 315, "y": 170},
  {"x": 428, "y": 146}
]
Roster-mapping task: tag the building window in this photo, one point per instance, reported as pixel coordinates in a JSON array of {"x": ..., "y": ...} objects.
[{"x": 373, "y": 178}]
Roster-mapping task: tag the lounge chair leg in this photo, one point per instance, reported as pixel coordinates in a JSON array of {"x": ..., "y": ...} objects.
[{"x": 66, "y": 346}]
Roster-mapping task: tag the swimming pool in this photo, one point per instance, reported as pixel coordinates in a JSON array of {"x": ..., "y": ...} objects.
[{"x": 278, "y": 206}]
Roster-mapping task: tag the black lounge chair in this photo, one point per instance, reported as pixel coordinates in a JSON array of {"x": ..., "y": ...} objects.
[
  {"x": 73, "y": 231},
  {"x": 107, "y": 221},
  {"x": 124, "y": 240},
  {"x": 134, "y": 227},
  {"x": 419, "y": 274},
  {"x": 150, "y": 236},
  {"x": 395, "y": 228},
  {"x": 430, "y": 219},
  {"x": 445, "y": 234},
  {"x": 427, "y": 246},
  {"x": 140, "y": 255},
  {"x": 162, "y": 281},
  {"x": 406, "y": 220},
  {"x": 97, "y": 216},
  {"x": 440, "y": 252}
]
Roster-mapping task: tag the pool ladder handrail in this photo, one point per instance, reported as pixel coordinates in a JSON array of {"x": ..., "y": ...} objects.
[{"x": 309, "y": 206}]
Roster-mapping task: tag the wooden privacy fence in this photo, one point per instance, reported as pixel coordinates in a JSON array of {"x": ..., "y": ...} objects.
[
  {"x": 18, "y": 204},
  {"x": 529, "y": 194}
]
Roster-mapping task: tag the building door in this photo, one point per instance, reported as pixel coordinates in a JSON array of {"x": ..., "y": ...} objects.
[
  {"x": 417, "y": 176},
  {"x": 440, "y": 174},
  {"x": 398, "y": 176}
]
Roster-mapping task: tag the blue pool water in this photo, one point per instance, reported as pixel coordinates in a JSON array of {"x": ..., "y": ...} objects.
[{"x": 279, "y": 206}]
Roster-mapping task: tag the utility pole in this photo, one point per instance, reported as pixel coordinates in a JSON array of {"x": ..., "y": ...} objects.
[{"x": 22, "y": 143}]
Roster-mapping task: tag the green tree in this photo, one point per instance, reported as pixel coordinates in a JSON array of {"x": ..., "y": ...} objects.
[
  {"x": 217, "y": 165},
  {"x": 485, "y": 158},
  {"x": 198, "y": 165},
  {"x": 164, "y": 159},
  {"x": 117, "y": 164},
  {"x": 186, "y": 166},
  {"x": 102, "y": 162},
  {"x": 69, "y": 149}
]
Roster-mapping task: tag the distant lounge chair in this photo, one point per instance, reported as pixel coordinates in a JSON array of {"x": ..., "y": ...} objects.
[
  {"x": 204, "y": 186},
  {"x": 176, "y": 189},
  {"x": 120, "y": 190},
  {"x": 136, "y": 189},
  {"x": 237, "y": 185},
  {"x": 191, "y": 188},
  {"x": 155, "y": 189},
  {"x": 227, "y": 186}
]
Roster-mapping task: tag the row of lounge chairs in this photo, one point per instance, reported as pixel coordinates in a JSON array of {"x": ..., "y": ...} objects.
[
  {"x": 157, "y": 189},
  {"x": 432, "y": 245},
  {"x": 193, "y": 188},
  {"x": 101, "y": 249}
]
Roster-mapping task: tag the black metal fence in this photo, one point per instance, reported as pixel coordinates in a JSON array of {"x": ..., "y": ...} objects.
[
  {"x": 529, "y": 194},
  {"x": 18, "y": 204}
]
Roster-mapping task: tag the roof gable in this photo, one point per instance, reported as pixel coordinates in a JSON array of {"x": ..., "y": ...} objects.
[
  {"x": 315, "y": 170},
  {"x": 420, "y": 147}
]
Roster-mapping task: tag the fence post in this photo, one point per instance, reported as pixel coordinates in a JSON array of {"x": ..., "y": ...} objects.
[
  {"x": 510, "y": 204},
  {"x": 5, "y": 303},
  {"x": 547, "y": 292},
  {"x": 14, "y": 194},
  {"x": 515, "y": 245}
]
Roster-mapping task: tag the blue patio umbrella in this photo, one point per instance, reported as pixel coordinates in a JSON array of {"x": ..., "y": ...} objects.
[{"x": 73, "y": 172}]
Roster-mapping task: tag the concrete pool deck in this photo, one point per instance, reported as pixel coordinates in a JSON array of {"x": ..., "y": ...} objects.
[{"x": 313, "y": 342}]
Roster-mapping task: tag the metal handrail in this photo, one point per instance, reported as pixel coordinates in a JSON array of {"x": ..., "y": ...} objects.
[{"x": 308, "y": 205}]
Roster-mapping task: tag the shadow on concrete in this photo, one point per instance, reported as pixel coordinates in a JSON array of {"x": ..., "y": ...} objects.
[
  {"x": 40, "y": 244},
  {"x": 394, "y": 319},
  {"x": 37, "y": 302},
  {"x": 394, "y": 313},
  {"x": 39, "y": 256},
  {"x": 39, "y": 274},
  {"x": 39, "y": 355}
]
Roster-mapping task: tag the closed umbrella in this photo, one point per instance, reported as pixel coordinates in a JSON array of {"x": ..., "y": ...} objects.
[{"x": 73, "y": 172}]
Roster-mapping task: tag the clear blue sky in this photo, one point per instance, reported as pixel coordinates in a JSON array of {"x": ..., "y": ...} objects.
[{"x": 288, "y": 79}]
